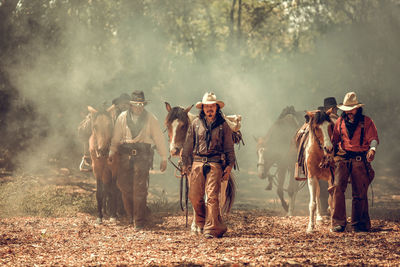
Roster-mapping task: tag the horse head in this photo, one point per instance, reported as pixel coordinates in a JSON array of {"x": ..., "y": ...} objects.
[
  {"x": 177, "y": 123},
  {"x": 260, "y": 145},
  {"x": 321, "y": 128},
  {"x": 102, "y": 130}
]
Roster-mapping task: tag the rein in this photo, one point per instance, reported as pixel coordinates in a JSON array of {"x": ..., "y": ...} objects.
[{"x": 178, "y": 167}]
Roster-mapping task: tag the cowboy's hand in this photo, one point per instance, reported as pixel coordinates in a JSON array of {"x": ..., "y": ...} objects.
[
  {"x": 370, "y": 155},
  {"x": 163, "y": 165},
  {"x": 227, "y": 173},
  {"x": 185, "y": 170}
]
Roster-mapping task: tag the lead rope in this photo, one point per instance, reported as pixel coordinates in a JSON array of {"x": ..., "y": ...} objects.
[{"x": 179, "y": 168}]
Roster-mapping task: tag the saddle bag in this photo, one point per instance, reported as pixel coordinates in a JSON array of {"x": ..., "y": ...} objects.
[{"x": 235, "y": 122}]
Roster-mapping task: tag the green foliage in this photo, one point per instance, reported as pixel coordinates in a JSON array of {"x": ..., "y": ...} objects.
[{"x": 31, "y": 196}]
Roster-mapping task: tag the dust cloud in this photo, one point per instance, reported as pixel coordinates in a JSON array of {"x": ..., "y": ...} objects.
[{"x": 58, "y": 74}]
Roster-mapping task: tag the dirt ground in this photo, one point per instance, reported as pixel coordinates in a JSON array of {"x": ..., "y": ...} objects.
[{"x": 49, "y": 220}]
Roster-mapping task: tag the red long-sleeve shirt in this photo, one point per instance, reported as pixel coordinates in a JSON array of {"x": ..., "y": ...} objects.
[{"x": 370, "y": 133}]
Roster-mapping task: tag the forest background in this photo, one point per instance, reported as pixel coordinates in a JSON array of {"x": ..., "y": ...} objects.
[{"x": 58, "y": 56}]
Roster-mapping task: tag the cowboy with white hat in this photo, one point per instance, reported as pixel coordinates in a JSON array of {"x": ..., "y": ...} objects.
[
  {"x": 355, "y": 139},
  {"x": 209, "y": 155}
]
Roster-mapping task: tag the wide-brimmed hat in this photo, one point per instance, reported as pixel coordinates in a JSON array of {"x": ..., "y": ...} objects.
[
  {"x": 123, "y": 98},
  {"x": 329, "y": 102},
  {"x": 350, "y": 102},
  {"x": 138, "y": 97},
  {"x": 209, "y": 98}
]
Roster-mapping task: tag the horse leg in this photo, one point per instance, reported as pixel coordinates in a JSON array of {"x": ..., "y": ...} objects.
[
  {"x": 194, "y": 227},
  {"x": 292, "y": 192},
  {"x": 312, "y": 187},
  {"x": 320, "y": 218},
  {"x": 99, "y": 198},
  {"x": 112, "y": 197},
  {"x": 222, "y": 197},
  {"x": 279, "y": 190}
]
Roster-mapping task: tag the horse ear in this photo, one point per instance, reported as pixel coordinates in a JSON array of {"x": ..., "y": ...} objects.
[
  {"x": 188, "y": 109},
  {"x": 329, "y": 111},
  {"x": 168, "y": 106},
  {"x": 112, "y": 107},
  {"x": 309, "y": 115},
  {"x": 91, "y": 109}
]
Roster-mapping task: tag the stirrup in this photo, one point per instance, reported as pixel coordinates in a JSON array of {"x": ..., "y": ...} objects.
[{"x": 85, "y": 166}]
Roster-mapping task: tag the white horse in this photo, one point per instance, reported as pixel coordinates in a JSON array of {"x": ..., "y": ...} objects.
[{"x": 318, "y": 159}]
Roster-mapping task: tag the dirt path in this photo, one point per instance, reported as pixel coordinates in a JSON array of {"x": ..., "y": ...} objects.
[
  {"x": 254, "y": 237},
  {"x": 60, "y": 228}
]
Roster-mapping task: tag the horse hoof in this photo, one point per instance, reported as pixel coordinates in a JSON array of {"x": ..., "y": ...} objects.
[
  {"x": 196, "y": 230},
  {"x": 309, "y": 230},
  {"x": 268, "y": 188},
  {"x": 99, "y": 221},
  {"x": 113, "y": 220}
]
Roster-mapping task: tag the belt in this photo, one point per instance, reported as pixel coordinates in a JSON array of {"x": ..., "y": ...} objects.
[
  {"x": 134, "y": 149},
  {"x": 358, "y": 156},
  {"x": 205, "y": 159}
]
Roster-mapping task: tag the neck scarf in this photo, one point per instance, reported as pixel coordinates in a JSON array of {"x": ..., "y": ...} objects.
[
  {"x": 209, "y": 127},
  {"x": 138, "y": 126},
  {"x": 352, "y": 126}
]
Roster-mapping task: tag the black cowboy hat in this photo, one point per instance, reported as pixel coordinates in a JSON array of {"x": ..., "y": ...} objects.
[
  {"x": 330, "y": 102},
  {"x": 138, "y": 97},
  {"x": 123, "y": 98}
]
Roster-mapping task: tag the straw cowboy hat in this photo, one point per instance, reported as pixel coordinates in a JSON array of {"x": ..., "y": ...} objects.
[
  {"x": 138, "y": 97},
  {"x": 209, "y": 98},
  {"x": 350, "y": 102}
]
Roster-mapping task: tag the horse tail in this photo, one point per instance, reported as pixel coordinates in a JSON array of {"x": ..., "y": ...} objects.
[{"x": 230, "y": 194}]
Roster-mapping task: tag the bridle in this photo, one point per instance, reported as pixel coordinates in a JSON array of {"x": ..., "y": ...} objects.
[
  {"x": 102, "y": 153},
  {"x": 317, "y": 139}
]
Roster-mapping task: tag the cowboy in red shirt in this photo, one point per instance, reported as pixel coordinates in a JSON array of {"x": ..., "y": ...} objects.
[{"x": 355, "y": 139}]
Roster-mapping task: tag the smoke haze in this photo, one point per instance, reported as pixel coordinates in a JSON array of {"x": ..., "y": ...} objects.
[{"x": 61, "y": 69}]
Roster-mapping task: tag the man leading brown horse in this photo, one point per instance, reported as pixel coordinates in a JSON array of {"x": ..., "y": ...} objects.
[{"x": 208, "y": 154}]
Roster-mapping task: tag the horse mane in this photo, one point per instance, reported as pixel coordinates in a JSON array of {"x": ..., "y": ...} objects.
[
  {"x": 320, "y": 117},
  {"x": 176, "y": 113}
]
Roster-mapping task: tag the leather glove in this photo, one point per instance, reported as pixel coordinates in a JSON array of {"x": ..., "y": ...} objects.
[
  {"x": 370, "y": 155},
  {"x": 163, "y": 165}
]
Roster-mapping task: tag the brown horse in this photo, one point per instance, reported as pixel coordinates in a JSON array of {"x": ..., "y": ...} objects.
[
  {"x": 318, "y": 159},
  {"x": 277, "y": 150},
  {"x": 177, "y": 122},
  {"x": 99, "y": 146}
]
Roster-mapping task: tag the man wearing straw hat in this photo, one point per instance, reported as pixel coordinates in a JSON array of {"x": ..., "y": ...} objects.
[
  {"x": 355, "y": 139},
  {"x": 209, "y": 156},
  {"x": 134, "y": 133}
]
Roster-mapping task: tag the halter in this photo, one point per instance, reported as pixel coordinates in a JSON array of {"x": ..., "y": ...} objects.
[{"x": 261, "y": 163}]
